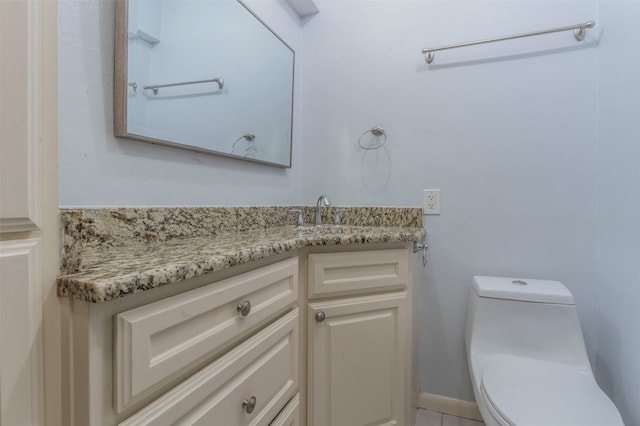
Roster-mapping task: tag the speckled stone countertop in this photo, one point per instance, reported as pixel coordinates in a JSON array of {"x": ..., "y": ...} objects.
[{"x": 105, "y": 262}]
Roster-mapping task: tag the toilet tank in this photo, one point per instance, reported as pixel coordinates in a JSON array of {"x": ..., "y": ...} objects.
[{"x": 524, "y": 317}]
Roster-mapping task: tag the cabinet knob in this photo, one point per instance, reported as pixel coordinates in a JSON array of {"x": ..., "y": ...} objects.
[
  {"x": 244, "y": 308},
  {"x": 249, "y": 405},
  {"x": 320, "y": 316}
]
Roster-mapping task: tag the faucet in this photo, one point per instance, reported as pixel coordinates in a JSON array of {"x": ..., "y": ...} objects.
[{"x": 322, "y": 201}]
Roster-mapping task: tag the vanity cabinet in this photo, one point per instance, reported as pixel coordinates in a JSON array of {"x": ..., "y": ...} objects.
[
  {"x": 320, "y": 336},
  {"x": 222, "y": 348},
  {"x": 359, "y": 338}
]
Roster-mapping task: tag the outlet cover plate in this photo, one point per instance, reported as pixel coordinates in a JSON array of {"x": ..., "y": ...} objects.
[{"x": 431, "y": 201}]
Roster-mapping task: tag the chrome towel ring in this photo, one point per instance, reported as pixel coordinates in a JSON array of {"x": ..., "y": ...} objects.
[
  {"x": 376, "y": 131},
  {"x": 250, "y": 146}
]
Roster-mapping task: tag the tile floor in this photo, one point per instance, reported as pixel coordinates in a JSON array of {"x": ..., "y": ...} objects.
[{"x": 432, "y": 418}]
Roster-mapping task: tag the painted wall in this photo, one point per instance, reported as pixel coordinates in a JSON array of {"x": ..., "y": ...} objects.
[
  {"x": 507, "y": 131},
  {"x": 96, "y": 169},
  {"x": 618, "y": 290}
]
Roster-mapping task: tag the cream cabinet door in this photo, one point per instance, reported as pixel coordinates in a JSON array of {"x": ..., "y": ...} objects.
[
  {"x": 358, "y": 361},
  {"x": 20, "y": 341},
  {"x": 19, "y": 127},
  {"x": 28, "y": 215}
]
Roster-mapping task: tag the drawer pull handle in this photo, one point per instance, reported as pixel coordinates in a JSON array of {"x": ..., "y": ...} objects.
[
  {"x": 320, "y": 316},
  {"x": 244, "y": 308},
  {"x": 249, "y": 405}
]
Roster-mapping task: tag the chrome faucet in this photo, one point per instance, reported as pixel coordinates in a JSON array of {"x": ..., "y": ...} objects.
[{"x": 322, "y": 201}]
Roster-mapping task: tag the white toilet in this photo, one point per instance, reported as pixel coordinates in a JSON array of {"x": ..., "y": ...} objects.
[{"x": 527, "y": 357}]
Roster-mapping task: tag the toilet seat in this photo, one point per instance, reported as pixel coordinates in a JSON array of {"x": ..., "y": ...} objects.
[{"x": 529, "y": 392}]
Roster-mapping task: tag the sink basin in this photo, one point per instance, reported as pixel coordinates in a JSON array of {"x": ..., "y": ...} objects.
[{"x": 327, "y": 230}]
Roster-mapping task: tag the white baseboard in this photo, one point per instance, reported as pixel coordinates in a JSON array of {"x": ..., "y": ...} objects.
[{"x": 452, "y": 406}]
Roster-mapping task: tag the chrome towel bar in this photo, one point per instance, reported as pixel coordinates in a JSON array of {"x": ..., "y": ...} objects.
[
  {"x": 578, "y": 32},
  {"x": 157, "y": 87}
]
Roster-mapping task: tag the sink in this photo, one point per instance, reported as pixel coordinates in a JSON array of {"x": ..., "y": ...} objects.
[
  {"x": 328, "y": 230},
  {"x": 324, "y": 229}
]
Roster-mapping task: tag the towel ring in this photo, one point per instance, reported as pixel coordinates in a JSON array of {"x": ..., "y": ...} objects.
[
  {"x": 249, "y": 138},
  {"x": 376, "y": 131}
]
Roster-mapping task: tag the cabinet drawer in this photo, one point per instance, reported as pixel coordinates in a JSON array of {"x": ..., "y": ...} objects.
[
  {"x": 264, "y": 367},
  {"x": 290, "y": 415},
  {"x": 155, "y": 342},
  {"x": 332, "y": 274}
]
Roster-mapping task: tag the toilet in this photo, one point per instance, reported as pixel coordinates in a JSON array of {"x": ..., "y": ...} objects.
[{"x": 527, "y": 357}]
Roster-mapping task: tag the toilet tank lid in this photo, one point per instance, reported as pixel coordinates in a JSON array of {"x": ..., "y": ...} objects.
[{"x": 523, "y": 289}]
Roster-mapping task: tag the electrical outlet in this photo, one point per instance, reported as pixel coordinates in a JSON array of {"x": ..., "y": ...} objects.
[{"x": 431, "y": 201}]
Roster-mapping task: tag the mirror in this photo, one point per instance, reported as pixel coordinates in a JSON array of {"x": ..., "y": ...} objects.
[{"x": 205, "y": 75}]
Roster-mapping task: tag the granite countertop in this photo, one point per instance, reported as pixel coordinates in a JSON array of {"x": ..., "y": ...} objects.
[{"x": 111, "y": 272}]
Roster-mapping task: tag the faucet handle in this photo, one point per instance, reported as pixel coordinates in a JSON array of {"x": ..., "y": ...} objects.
[
  {"x": 336, "y": 218},
  {"x": 300, "y": 220}
]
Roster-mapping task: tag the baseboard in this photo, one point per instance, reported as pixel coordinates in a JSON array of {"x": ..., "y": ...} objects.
[{"x": 452, "y": 406}]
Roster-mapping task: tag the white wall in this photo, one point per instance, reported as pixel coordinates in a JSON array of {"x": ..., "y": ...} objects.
[
  {"x": 97, "y": 169},
  {"x": 618, "y": 291},
  {"x": 507, "y": 131}
]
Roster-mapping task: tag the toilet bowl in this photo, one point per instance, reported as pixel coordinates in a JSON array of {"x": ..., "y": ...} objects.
[{"x": 527, "y": 358}]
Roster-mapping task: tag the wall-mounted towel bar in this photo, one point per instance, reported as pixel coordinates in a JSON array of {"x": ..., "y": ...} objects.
[
  {"x": 578, "y": 32},
  {"x": 156, "y": 87}
]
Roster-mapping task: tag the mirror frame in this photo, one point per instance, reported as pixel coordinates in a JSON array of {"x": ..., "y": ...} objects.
[{"x": 120, "y": 89}]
